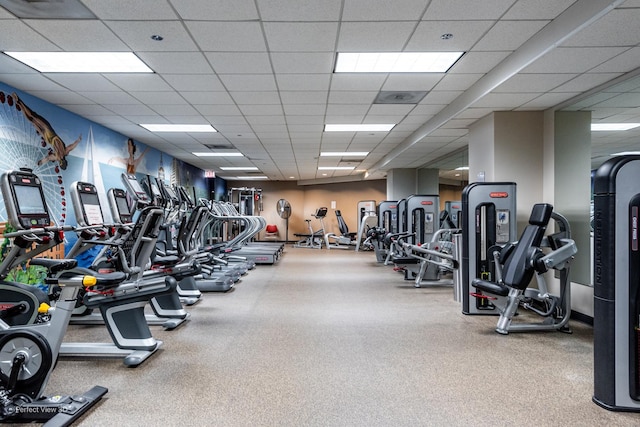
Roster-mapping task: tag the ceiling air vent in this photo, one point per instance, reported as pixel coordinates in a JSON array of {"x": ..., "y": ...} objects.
[
  {"x": 395, "y": 97},
  {"x": 48, "y": 9},
  {"x": 217, "y": 146}
]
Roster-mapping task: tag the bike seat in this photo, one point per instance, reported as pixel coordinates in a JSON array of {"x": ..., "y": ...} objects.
[{"x": 55, "y": 265}]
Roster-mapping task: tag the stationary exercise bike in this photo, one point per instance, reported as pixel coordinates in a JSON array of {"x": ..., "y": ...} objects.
[{"x": 28, "y": 352}]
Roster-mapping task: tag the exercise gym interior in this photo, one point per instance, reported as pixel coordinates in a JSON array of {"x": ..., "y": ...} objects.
[{"x": 320, "y": 213}]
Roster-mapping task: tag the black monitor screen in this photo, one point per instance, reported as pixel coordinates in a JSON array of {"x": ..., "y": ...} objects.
[
  {"x": 170, "y": 192},
  {"x": 89, "y": 199},
  {"x": 135, "y": 186},
  {"x": 91, "y": 208},
  {"x": 29, "y": 201},
  {"x": 123, "y": 208}
]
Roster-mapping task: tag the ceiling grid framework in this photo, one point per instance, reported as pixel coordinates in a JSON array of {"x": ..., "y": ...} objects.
[{"x": 261, "y": 72}]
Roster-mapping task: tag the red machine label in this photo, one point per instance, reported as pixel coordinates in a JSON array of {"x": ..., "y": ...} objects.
[
  {"x": 498, "y": 194},
  {"x": 426, "y": 202}
]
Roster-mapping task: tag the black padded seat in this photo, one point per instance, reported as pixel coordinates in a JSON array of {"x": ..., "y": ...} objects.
[{"x": 518, "y": 270}]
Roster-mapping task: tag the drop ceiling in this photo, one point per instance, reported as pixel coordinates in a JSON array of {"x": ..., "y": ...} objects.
[{"x": 261, "y": 72}]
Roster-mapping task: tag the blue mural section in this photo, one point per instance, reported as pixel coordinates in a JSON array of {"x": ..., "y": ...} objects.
[{"x": 62, "y": 148}]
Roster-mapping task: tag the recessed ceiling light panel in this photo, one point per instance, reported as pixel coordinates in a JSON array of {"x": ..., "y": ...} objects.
[
  {"x": 82, "y": 62},
  {"x": 344, "y": 153},
  {"x": 359, "y": 128},
  {"x": 613, "y": 126},
  {"x": 217, "y": 154},
  {"x": 238, "y": 168},
  {"x": 178, "y": 128},
  {"x": 396, "y": 62}
]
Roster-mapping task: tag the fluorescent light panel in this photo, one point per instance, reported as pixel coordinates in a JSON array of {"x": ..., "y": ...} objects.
[
  {"x": 359, "y": 128},
  {"x": 250, "y": 177},
  {"x": 336, "y": 168},
  {"x": 613, "y": 126},
  {"x": 82, "y": 62},
  {"x": 396, "y": 62},
  {"x": 462, "y": 168},
  {"x": 217, "y": 154},
  {"x": 238, "y": 168},
  {"x": 344, "y": 153},
  {"x": 178, "y": 128}
]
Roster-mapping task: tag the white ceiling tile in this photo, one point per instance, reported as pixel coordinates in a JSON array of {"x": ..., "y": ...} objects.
[
  {"x": 84, "y": 82},
  {"x": 347, "y": 109},
  {"x": 586, "y": 82},
  {"x": 218, "y": 10},
  {"x": 292, "y": 82},
  {"x": 301, "y": 37},
  {"x": 256, "y": 97},
  {"x": 627, "y": 61},
  {"x": 176, "y": 62},
  {"x": 537, "y": 9},
  {"x": 348, "y": 97},
  {"x": 77, "y": 35},
  {"x": 201, "y": 98},
  {"x": 373, "y": 36},
  {"x": 137, "y": 35},
  {"x": 174, "y": 109},
  {"x": 304, "y": 109},
  {"x": 391, "y": 109},
  {"x": 347, "y": 118},
  {"x": 383, "y": 10},
  {"x": 260, "y": 110},
  {"x": 169, "y": 98},
  {"x": 412, "y": 81},
  {"x": 218, "y": 110},
  {"x": 478, "y": 62},
  {"x": 228, "y": 120},
  {"x": 359, "y": 81},
  {"x": 266, "y": 120},
  {"x": 228, "y": 36},
  {"x": 110, "y": 97},
  {"x": 126, "y": 9},
  {"x": 606, "y": 30},
  {"x": 29, "y": 82},
  {"x": 504, "y": 100},
  {"x": 440, "y": 97},
  {"x": 508, "y": 35},
  {"x": 132, "y": 111},
  {"x": 299, "y": 10},
  {"x": 17, "y": 36},
  {"x": 303, "y": 97},
  {"x": 572, "y": 59},
  {"x": 194, "y": 82},
  {"x": 240, "y": 62},
  {"x": 427, "y": 36},
  {"x": 305, "y": 120},
  {"x": 457, "y": 81},
  {"x": 302, "y": 62},
  {"x": 548, "y": 100},
  {"x": 88, "y": 110},
  {"x": 59, "y": 97},
  {"x": 534, "y": 82},
  {"x": 447, "y": 10},
  {"x": 248, "y": 82},
  {"x": 139, "y": 82}
]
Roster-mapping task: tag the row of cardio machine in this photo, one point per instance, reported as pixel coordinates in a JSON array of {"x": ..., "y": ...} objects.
[
  {"x": 472, "y": 245},
  {"x": 151, "y": 255}
]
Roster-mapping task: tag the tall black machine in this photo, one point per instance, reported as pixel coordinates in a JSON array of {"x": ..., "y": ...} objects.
[{"x": 616, "y": 269}]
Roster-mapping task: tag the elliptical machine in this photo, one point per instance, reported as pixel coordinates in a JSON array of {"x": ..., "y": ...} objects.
[{"x": 28, "y": 352}]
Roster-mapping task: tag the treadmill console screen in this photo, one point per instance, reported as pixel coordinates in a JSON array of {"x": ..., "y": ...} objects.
[{"x": 27, "y": 206}]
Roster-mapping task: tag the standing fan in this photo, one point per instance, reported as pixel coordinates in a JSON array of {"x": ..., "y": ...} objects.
[{"x": 284, "y": 210}]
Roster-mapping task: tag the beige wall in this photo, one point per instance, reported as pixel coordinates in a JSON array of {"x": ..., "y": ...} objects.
[{"x": 305, "y": 200}]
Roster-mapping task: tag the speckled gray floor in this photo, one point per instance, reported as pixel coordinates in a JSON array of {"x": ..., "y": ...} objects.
[{"x": 330, "y": 338}]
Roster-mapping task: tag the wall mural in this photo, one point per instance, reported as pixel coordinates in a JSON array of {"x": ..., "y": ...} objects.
[{"x": 62, "y": 147}]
